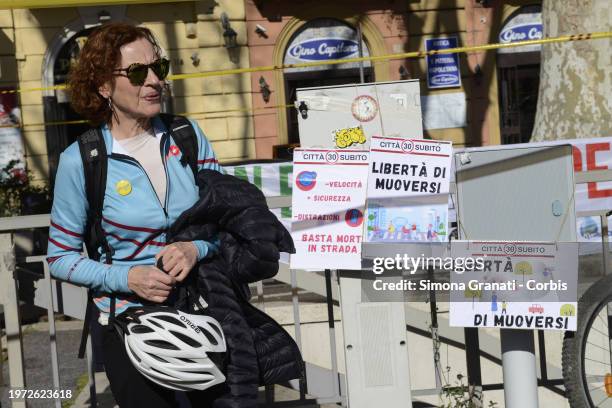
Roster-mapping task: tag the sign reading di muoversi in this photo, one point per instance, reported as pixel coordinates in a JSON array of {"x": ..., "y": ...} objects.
[
  {"x": 408, "y": 185},
  {"x": 442, "y": 70},
  {"x": 329, "y": 195},
  {"x": 518, "y": 285}
]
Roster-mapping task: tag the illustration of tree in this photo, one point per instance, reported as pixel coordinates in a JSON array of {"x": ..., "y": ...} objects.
[
  {"x": 523, "y": 268},
  {"x": 472, "y": 293}
]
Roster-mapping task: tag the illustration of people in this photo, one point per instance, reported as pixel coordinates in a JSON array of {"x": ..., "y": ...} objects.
[
  {"x": 390, "y": 231},
  {"x": 430, "y": 233},
  {"x": 398, "y": 233},
  {"x": 548, "y": 271},
  {"x": 494, "y": 302},
  {"x": 377, "y": 233},
  {"x": 504, "y": 307},
  {"x": 406, "y": 231}
]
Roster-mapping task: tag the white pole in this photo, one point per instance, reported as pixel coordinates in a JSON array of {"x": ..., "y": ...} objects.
[{"x": 519, "y": 368}]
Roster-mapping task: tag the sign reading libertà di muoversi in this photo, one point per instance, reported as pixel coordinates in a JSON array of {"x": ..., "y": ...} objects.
[
  {"x": 329, "y": 196},
  {"x": 408, "y": 185},
  {"x": 515, "y": 285}
]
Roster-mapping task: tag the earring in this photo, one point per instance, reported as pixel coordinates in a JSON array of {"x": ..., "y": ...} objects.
[
  {"x": 165, "y": 88},
  {"x": 110, "y": 104}
]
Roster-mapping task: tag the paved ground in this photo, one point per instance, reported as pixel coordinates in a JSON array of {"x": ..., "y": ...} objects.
[
  {"x": 105, "y": 399},
  {"x": 38, "y": 360}
]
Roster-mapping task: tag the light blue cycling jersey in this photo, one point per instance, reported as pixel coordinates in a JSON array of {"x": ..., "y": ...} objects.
[{"x": 133, "y": 218}]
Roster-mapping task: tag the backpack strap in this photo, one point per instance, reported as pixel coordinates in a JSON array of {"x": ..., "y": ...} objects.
[
  {"x": 185, "y": 137},
  {"x": 95, "y": 166}
]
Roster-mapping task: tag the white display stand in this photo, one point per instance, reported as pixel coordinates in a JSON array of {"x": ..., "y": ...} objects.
[
  {"x": 375, "y": 348},
  {"x": 516, "y": 194}
]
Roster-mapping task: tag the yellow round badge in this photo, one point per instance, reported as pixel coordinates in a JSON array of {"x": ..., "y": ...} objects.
[{"x": 123, "y": 187}]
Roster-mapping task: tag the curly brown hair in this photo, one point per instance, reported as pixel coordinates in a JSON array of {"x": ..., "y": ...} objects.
[{"x": 94, "y": 67}]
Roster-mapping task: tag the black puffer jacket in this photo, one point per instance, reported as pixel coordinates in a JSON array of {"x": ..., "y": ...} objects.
[{"x": 251, "y": 238}]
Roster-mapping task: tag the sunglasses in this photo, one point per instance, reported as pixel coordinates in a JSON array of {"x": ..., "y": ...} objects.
[{"x": 137, "y": 72}]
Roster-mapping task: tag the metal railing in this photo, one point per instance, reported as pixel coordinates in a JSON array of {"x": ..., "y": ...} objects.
[{"x": 326, "y": 385}]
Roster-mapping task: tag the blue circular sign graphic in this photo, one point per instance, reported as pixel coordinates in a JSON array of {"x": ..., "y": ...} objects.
[{"x": 306, "y": 180}]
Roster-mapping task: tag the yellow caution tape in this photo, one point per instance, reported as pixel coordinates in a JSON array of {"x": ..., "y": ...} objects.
[
  {"x": 405, "y": 55},
  {"x": 23, "y": 90},
  {"x": 193, "y": 115},
  {"x": 22, "y": 4}
]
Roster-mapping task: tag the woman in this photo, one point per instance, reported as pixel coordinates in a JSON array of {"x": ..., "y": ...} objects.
[{"x": 117, "y": 84}]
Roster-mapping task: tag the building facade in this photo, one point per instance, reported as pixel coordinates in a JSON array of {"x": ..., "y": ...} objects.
[
  {"x": 247, "y": 115},
  {"x": 39, "y": 44}
]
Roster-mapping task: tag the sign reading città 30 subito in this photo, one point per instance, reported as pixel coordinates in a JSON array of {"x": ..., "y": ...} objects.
[
  {"x": 329, "y": 195},
  {"x": 516, "y": 285},
  {"x": 408, "y": 187}
]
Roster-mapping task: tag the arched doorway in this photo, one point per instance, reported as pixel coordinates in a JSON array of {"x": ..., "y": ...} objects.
[
  {"x": 319, "y": 40},
  {"x": 57, "y": 104}
]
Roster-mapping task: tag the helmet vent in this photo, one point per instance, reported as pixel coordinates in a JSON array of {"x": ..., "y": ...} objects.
[
  {"x": 161, "y": 344},
  {"x": 140, "y": 329},
  {"x": 158, "y": 358},
  {"x": 216, "y": 329},
  {"x": 156, "y": 323},
  {"x": 186, "y": 360},
  {"x": 186, "y": 339},
  {"x": 170, "y": 319},
  {"x": 134, "y": 354},
  {"x": 210, "y": 337}
]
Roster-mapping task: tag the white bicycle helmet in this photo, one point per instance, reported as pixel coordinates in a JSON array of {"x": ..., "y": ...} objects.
[{"x": 176, "y": 350}]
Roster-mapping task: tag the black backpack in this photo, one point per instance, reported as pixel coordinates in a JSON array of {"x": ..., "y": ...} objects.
[{"x": 95, "y": 165}]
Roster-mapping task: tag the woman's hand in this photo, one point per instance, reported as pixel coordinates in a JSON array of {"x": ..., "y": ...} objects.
[
  {"x": 150, "y": 283},
  {"x": 178, "y": 259}
]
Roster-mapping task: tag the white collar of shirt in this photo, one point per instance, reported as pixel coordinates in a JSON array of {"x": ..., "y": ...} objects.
[{"x": 118, "y": 149}]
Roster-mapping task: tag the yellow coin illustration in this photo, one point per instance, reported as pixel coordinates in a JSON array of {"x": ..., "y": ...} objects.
[{"x": 123, "y": 187}]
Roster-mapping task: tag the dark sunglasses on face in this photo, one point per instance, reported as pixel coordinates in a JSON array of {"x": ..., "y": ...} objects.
[{"x": 137, "y": 72}]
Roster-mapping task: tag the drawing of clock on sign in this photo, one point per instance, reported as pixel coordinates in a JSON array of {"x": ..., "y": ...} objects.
[{"x": 364, "y": 108}]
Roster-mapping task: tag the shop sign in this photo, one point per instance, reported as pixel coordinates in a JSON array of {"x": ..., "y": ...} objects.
[
  {"x": 324, "y": 49},
  {"x": 524, "y": 25},
  {"x": 443, "y": 69}
]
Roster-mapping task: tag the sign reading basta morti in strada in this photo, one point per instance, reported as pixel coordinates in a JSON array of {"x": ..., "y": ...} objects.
[{"x": 329, "y": 195}]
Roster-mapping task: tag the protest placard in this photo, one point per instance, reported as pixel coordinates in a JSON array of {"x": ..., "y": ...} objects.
[
  {"x": 516, "y": 285},
  {"x": 328, "y": 202},
  {"x": 408, "y": 187}
]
